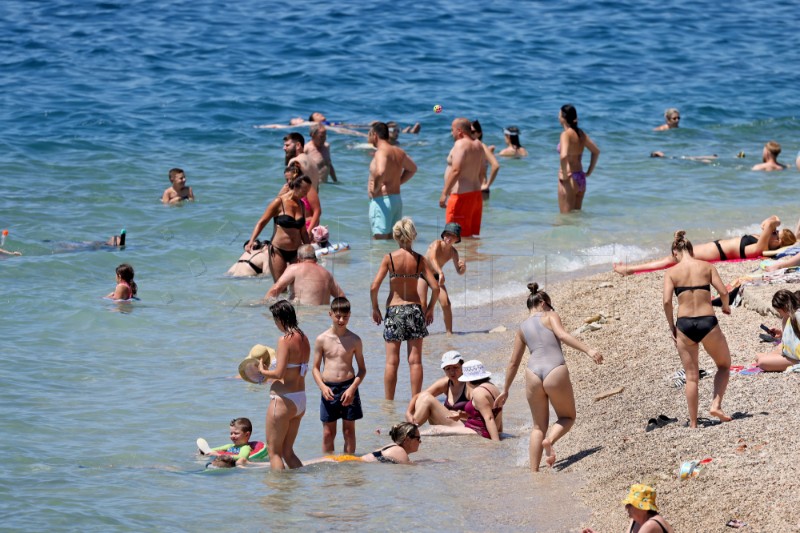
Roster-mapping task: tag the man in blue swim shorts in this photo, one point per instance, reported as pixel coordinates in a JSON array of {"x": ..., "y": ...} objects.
[{"x": 390, "y": 168}]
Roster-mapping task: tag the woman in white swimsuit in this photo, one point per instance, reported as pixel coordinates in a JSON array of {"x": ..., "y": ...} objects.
[{"x": 288, "y": 393}]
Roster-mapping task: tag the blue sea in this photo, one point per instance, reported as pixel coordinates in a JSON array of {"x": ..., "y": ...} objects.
[{"x": 103, "y": 402}]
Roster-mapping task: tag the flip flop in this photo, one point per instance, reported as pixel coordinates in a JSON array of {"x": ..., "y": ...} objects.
[
  {"x": 664, "y": 420},
  {"x": 651, "y": 425},
  {"x": 203, "y": 446}
]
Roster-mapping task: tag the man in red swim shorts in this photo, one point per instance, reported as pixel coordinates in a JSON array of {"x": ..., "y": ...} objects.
[{"x": 462, "y": 180}]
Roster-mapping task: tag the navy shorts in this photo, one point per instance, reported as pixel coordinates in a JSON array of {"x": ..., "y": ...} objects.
[{"x": 331, "y": 411}]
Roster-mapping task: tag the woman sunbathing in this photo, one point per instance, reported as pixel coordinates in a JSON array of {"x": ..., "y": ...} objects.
[{"x": 746, "y": 247}]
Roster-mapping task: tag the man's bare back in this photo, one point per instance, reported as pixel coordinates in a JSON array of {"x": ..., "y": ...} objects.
[
  {"x": 311, "y": 284},
  {"x": 390, "y": 167}
]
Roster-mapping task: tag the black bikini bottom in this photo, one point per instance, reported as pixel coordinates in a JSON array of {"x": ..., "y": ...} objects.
[
  {"x": 696, "y": 327},
  {"x": 289, "y": 256}
]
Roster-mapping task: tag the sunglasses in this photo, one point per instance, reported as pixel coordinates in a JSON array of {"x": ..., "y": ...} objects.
[{"x": 416, "y": 437}]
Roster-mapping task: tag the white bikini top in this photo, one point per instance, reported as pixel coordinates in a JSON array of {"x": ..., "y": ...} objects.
[{"x": 302, "y": 366}]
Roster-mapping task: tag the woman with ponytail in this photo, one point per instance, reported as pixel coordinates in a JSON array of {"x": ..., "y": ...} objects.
[
  {"x": 787, "y": 354},
  {"x": 571, "y": 177},
  {"x": 546, "y": 378},
  {"x": 691, "y": 280},
  {"x": 744, "y": 247}
]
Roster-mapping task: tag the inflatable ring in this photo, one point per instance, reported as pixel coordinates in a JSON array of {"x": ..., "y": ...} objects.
[{"x": 258, "y": 450}]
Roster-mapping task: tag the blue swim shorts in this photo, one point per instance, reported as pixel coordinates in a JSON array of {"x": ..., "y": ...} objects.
[
  {"x": 331, "y": 411},
  {"x": 384, "y": 212}
]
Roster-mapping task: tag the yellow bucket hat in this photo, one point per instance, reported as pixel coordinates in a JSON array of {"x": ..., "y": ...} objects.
[{"x": 642, "y": 497}]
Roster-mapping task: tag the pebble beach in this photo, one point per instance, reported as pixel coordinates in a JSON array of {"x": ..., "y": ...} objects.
[{"x": 608, "y": 447}]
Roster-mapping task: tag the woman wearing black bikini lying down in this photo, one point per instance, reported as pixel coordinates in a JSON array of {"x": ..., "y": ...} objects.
[
  {"x": 406, "y": 439},
  {"x": 691, "y": 281},
  {"x": 746, "y": 247}
]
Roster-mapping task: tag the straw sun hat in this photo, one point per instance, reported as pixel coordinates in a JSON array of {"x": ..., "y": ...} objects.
[{"x": 248, "y": 368}]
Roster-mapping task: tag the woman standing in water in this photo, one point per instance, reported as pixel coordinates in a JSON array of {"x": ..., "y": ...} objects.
[
  {"x": 571, "y": 177},
  {"x": 546, "y": 378},
  {"x": 287, "y": 403},
  {"x": 691, "y": 280},
  {"x": 406, "y": 318}
]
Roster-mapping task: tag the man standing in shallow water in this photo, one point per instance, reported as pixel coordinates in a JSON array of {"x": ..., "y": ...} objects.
[
  {"x": 462, "y": 180},
  {"x": 319, "y": 152},
  {"x": 390, "y": 168}
]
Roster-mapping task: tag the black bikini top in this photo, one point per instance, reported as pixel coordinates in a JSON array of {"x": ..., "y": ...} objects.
[
  {"x": 289, "y": 222},
  {"x": 679, "y": 290},
  {"x": 417, "y": 274}
]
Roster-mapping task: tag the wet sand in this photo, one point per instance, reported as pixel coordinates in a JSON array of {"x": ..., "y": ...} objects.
[{"x": 752, "y": 475}]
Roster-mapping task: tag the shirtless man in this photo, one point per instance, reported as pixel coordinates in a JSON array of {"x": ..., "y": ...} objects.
[
  {"x": 319, "y": 154},
  {"x": 337, "y": 348},
  {"x": 390, "y": 168},
  {"x": 462, "y": 180},
  {"x": 293, "y": 147},
  {"x": 770, "y": 158},
  {"x": 311, "y": 283}
]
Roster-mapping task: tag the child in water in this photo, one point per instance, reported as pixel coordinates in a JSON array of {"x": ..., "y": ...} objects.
[
  {"x": 178, "y": 192},
  {"x": 439, "y": 253},
  {"x": 241, "y": 428},
  {"x": 126, "y": 287}
]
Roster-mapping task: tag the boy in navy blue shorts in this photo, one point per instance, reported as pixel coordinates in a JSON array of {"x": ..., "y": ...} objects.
[{"x": 338, "y": 380}]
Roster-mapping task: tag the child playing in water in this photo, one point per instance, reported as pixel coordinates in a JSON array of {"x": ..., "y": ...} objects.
[
  {"x": 439, "y": 253},
  {"x": 178, "y": 192},
  {"x": 338, "y": 381},
  {"x": 241, "y": 428},
  {"x": 126, "y": 287}
]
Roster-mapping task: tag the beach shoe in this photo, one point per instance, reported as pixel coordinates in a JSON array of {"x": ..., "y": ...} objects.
[
  {"x": 659, "y": 422},
  {"x": 679, "y": 377}
]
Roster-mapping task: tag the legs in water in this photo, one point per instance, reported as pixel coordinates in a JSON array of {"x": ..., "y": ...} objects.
[
  {"x": 415, "y": 365},
  {"x": 558, "y": 388},
  {"x": 390, "y": 371}
]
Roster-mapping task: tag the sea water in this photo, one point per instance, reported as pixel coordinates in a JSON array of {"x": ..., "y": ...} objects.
[{"x": 102, "y": 402}]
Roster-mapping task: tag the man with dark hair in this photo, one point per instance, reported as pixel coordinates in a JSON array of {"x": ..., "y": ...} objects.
[
  {"x": 293, "y": 147},
  {"x": 390, "y": 168}
]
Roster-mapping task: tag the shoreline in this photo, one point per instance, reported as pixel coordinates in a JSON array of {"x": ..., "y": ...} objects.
[{"x": 608, "y": 447}]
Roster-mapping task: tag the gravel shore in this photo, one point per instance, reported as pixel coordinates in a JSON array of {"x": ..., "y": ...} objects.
[{"x": 752, "y": 475}]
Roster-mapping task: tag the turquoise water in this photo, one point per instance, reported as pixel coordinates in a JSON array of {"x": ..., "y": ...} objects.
[{"x": 100, "y": 99}]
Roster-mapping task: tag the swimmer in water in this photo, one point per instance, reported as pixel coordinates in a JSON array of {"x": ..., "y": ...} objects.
[
  {"x": 126, "y": 288},
  {"x": 238, "y": 451},
  {"x": 178, "y": 192},
  {"x": 769, "y": 156},
  {"x": 673, "y": 120},
  {"x": 407, "y": 440}
]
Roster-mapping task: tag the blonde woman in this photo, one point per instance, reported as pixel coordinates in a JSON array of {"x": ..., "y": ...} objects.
[{"x": 406, "y": 318}]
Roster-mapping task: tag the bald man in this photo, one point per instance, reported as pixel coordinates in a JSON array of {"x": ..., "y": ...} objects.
[{"x": 461, "y": 194}]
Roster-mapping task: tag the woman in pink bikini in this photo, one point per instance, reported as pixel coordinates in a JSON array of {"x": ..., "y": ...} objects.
[
  {"x": 480, "y": 416},
  {"x": 571, "y": 177}
]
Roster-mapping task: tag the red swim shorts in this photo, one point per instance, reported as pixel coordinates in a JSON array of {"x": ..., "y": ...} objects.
[{"x": 466, "y": 209}]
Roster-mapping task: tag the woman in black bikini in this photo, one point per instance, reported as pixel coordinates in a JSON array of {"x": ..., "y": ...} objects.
[
  {"x": 406, "y": 439},
  {"x": 290, "y": 226},
  {"x": 746, "y": 247},
  {"x": 425, "y": 407},
  {"x": 406, "y": 319},
  {"x": 251, "y": 263},
  {"x": 691, "y": 281}
]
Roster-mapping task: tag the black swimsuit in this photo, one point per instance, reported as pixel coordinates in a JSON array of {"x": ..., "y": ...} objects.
[
  {"x": 257, "y": 269},
  {"x": 656, "y": 521},
  {"x": 288, "y": 222},
  {"x": 744, "y": 242},
  {"x": 695, "y": 327},
  {"x": 378, "y": 455}
]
